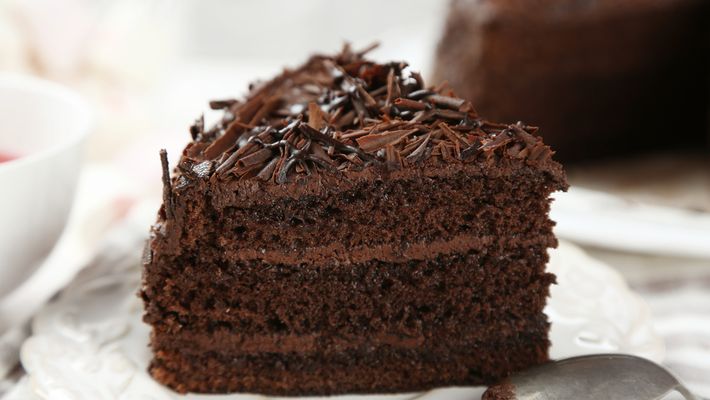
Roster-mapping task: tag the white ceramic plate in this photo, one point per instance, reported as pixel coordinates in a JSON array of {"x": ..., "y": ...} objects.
[
  {"x": 90, "y": 344},
  {"x": 604, "y": 220}
]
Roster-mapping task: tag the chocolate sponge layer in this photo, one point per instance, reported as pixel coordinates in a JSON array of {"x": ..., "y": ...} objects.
[
  {"x": 454, "y": 291},
  {"x": 363, "y": 213},
  {"x": 381, "y": 370}
]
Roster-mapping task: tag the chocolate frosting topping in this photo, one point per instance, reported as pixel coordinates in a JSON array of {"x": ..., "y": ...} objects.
[{"x": 345, "y": 112}]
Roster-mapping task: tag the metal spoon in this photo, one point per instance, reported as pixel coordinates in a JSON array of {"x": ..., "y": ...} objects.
[{"x": 601, "y": 376}]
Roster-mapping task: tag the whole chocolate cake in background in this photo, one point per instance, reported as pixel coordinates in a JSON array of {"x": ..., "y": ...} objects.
[
  {"x": 347, "y": 229},
  {"x": 603, "y": 77}
]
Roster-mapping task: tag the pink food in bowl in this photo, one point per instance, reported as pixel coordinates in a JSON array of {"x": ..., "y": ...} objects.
[{"x": 5, "y": 157}]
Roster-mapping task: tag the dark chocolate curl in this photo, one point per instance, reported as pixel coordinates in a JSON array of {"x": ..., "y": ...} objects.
[{"x": 167, "y": 187}]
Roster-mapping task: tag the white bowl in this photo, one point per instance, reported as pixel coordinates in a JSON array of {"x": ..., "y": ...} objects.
[{"x": 46, "y": 126}]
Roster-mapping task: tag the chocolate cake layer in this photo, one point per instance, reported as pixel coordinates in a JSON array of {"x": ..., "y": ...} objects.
[
  {"x": 345, "y": 228},
  {"x": 302, "y": 298},
  {"x": 379, "y": 371},
  {"x": 436, "y": 340},
  {"x": 446, "y": 207}
]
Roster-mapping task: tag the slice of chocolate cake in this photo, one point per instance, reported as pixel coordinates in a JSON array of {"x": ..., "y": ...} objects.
[
  {"x": 346, "y": 229},
  {"x": 600, "y": 76}
]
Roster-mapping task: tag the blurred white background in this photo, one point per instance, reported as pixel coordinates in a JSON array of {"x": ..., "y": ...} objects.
[{"x": 148, "y": 67}]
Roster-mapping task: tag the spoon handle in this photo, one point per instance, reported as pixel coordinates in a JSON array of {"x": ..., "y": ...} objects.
[{"x": 686, "y": 393}]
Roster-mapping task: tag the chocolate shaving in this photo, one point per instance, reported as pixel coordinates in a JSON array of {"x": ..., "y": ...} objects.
[
  {"x": 228, "y": 163},
  {"x": 410, "y": 104},
  {"x": 345, "y": 120},
  {"x": 392, "y": 87},
  {"x": 223, "y": 143},
  {"x": 453, "y": 135},
  {"x": 472, "y": 150},
  {"x": 449, "y": 114},
  {"x": 375, "y": 142},
  {"x": 245, "y": 112},
  {"x": 270, "y": 105},
  {"x": 222, "y": 104},
  {"x": 539, "y": 151},
  {"x": 167, "y": 188},
  {"x": 418, "y": 78},
  {"x": 355, "y": 134},
  {"x": 256, "y": 158},
  {"x": 318, "y": 152},
  {"x": 314, "y": 134},
  {"x": 316, "y": 119},
  {"x": 446, "y": 101},
  {"x": 445, "y": 151},
  {"x": 420, "y": 151},
  {"x": 394, "y": 160},
  {"x": 368, "y": 49},
  {"x": 268, "y": 171},
  {"x": 360, "y": 109},
  {"x": 420, "y": 94},
  {"x": 298, "y": 157},
  {"x": 500, "y": 140},
  {"x": 369, "y": 101},
  {"x": 379, "y": 91},
  {"x": 422, "y": 116},
  {"x": 198, "y": 128}
]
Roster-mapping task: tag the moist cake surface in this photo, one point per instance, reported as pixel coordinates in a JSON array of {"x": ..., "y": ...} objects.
[{"x": 345, "y": 228}]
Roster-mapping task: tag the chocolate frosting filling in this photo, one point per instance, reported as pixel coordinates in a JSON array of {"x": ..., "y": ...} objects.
[{"x": 337, "y": 252}]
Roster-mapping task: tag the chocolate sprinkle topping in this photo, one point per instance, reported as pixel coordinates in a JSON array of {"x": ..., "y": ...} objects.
[{"x": 345, "y": 112}]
